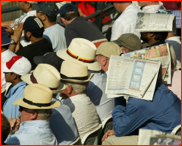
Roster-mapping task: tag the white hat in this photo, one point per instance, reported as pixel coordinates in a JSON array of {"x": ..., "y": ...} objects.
[
  {"x": 37, "y": 96},
  {"x": 32, "y": 2},
  {"x": 47, "y": 75},
  {"x": 82, "y": 50},
  {"x": 74, "y": 71},
  {"x": 18, "y": 64}
]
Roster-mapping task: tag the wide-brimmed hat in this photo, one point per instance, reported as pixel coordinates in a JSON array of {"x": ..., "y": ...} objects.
[
  {"x": 82, "y": 50},
  {"x": 129, "y": 41},
  {"x": 37, "y": 96},
  {"x": 74, "y": 71},
  {"x": 47, "y": 75}
]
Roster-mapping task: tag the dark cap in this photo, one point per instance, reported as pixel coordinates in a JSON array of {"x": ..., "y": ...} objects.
[
  {"x": 49, "y": 58},
  {"x": 5, "y": 40},
  {"x": 47, "y": 7},
  {"x": 67, "y": 8},
  {"x": 33, "y": 24},
  {"x": 129, "y": 41}
]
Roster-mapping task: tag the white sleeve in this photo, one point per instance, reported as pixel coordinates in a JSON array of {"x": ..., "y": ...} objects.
[{"x": 117, "y": 30}]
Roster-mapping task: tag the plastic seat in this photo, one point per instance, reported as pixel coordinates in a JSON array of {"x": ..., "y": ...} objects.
[{"x": 93, "y": 137}]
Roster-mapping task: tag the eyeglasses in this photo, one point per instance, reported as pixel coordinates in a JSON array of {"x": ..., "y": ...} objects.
[{"x": 22, "y": 108}]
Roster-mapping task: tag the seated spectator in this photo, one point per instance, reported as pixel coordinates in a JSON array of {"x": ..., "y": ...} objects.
[
  {"x": 96, "y": 89},
  {"x": 25, "y": 6},
  {"x": 6, "y": 55},
  {"x": 75, "y": 76},
  {"x": 47, "y": 12},
  {"x": 5, "y": 128},
  {"x": 33, "y": 31},
  {"x": 78, "y": 27},
  {"x": 13, "y": 70},
  {"x": 163, "y": 113},
  {"x": 62, "y": 123},
  {"x": 36, "y": 109},
  {"x": 128, "y": 42}
]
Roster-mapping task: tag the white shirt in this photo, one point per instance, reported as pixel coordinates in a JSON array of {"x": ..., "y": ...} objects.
[
  {"x": 55, "y": 34},
  {"x": 153, "y": 8},
  {"x": 96, "y": 93},
  {"x": 5, "y": 57},
  {"x": 22, "y": 20},
  {"x": 84, "y": 113},
  {"x": 126, "y": 22}
]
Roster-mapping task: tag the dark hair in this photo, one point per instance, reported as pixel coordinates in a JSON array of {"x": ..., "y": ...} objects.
[
  {"x": 160, "y": 36},
  {"x": 51, "y": 19},
  {"x": 5, "y": 128},
  {"x": 38, "y": 34},
  {"x": 70, "y": 15}
]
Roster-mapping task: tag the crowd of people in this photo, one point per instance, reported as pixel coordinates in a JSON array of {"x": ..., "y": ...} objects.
[{"x": 53, "y": 77}]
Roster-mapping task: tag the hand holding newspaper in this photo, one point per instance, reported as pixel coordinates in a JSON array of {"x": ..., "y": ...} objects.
[{"x": 132, "y": 77}]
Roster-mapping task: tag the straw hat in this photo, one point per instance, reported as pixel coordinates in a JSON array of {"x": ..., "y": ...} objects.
[
  {"x": 47, "y": 75},
  {"x": 37, "y": 96},
  {"x": 74, "y": 71},
  {"x": 82, "y": 50}
]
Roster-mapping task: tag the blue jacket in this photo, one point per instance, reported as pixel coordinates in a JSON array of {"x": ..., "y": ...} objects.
[
  {"x": 163, "y": 113},
  {"x": 16, "y": 92}
]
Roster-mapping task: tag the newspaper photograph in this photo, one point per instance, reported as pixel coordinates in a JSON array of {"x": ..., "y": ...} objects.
[
  {"x": 149, "y": 22},
  {"x": 161, "y": 53},
  {"x": 132, "y": 77}
]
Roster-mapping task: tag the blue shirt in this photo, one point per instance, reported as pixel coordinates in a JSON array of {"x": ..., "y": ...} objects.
[
  {"x": 163, "y": 113},
  {"x": 63, "y": 125},
  {"x": 36, "y": 132},
  {"x": 16, "y": 92}
]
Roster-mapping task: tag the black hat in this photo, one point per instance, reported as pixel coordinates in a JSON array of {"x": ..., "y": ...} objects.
[
  {"x": 33, "y": 24},
  {"x": 49, "y": 58},
  {"x": 67, "y": 8}
]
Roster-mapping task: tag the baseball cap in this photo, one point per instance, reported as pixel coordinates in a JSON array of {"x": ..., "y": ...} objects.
[
  {"x": 67, "y": 8},
  {"x": 108, "y": 48},
  {"x": 33, "y": 24},
  {"x": 18, "y": 64},
  {"x": 49, "y": 58},
  {"x": 48, "y": 7},
  {"x": 5, "y": 40},
  {"x": 129, "y": 41}
]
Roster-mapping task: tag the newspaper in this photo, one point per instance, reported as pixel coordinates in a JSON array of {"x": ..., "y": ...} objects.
[
  {"x": 151, "y": 22},
  {"x": 155, "y": 137},
  {"x": 161, "y": 53},
  {"x": 132, "y": 77}
]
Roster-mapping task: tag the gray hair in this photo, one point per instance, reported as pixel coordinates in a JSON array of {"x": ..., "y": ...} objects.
[
  {"x": 78, "y": 87},
  {"x": 43, "y": 114}
]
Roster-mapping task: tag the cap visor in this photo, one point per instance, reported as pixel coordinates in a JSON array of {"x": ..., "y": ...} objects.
[{"x": 4, "y": 68}]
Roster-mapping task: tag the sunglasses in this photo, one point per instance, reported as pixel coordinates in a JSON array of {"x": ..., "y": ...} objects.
[{"x": 21, "y": 108}]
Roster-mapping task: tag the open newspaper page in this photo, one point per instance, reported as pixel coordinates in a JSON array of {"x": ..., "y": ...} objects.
[
  {"x": 149, "y": 22},
  {"x": 161, "y": 53},
  {"x": 132, "y": 77}
]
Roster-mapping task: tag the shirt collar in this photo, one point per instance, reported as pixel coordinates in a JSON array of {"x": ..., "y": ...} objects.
[{"x": 35, "y": 123}]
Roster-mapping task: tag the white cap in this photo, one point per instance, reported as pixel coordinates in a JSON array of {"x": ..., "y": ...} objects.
[{"x": 18, "y": 64}]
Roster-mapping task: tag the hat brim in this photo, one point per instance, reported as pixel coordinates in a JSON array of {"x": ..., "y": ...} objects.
[
  {"x": 117, "y": 42},
  {"x": 54, "y": 104},
  {"x": 38, "y": 59},
  {"x": 4, "y": 68},
  {"x": 78, "y": 81},
  {"x": 95, "y": 66},
  {"x": 26, "y": 79}
]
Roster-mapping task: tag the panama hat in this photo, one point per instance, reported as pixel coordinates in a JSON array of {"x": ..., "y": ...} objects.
[
  {"x": 47, "y": 75},
  {"x": 82, "y": 50},
  {"x": 37, "y": 96},
  {"x": 74, "y": 71}
]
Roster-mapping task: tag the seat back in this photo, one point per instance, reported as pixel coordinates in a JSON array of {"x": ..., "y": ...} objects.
[
  {"x": 92, "y": 138},
  {"x": 77, "y": 141}
]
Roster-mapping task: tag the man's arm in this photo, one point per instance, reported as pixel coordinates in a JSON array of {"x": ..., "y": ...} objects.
[{"x": 7, "y": 23}]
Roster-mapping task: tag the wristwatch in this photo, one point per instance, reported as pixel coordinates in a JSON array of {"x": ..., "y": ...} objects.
[{"x": 13, "y": 42}]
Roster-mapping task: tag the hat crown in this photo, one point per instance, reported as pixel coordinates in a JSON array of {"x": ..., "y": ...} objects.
[
  {"x": 47, "y": 75},
  {"x": 72, "y": 68},
  {"x": 38, "y": 93}
]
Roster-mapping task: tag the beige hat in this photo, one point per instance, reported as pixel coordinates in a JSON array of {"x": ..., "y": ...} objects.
[
  {"x": 75, "y": 71},
  {"x": 37, "y": 96},
  {"x": 82, "y": 50},
  {"x": 32, "y": 2},
  {"x": 47, "y": 75},
  {"x": 108, "y": 48}
]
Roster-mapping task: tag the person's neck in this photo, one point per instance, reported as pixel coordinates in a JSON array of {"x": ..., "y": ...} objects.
[
  {"x": 68, "y": 22},
  {"x": 48, "y": 24},
  {"x": 16, "y": 82},
  {"x": 33, "y": 40},
  {"x": 151, "y": 42},
  {"x": 30, "y": 9}
]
